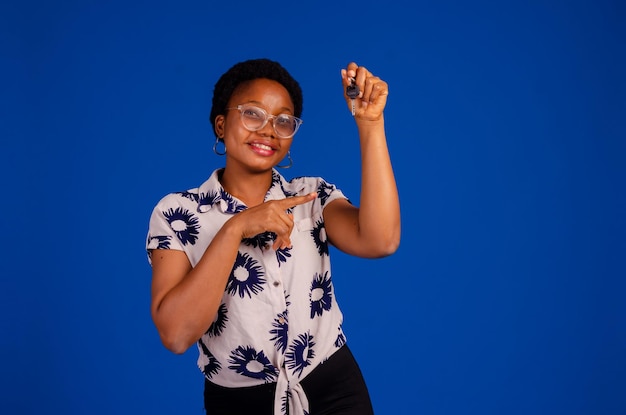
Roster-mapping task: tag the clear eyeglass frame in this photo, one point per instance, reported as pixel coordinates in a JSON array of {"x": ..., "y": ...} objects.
[{"x": 255, "y": 123}]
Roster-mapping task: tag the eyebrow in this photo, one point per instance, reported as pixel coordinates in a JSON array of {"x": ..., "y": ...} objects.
[{"x": 283, "y": 109}]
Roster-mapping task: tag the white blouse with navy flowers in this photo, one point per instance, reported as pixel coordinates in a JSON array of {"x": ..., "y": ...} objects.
[{"x": 278, "y": 318}]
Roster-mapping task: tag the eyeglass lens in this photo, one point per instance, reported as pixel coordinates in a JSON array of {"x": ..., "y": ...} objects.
[{"x": 255, "y": 118}]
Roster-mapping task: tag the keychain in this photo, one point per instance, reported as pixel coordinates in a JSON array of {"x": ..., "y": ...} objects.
[{"x": 352, "y": 91}]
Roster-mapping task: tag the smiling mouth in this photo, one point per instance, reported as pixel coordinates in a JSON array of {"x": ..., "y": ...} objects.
[{"x": 262, "y": 147}]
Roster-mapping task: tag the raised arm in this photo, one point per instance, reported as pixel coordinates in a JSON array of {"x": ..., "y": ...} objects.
[{"x": 373, "y": 229}]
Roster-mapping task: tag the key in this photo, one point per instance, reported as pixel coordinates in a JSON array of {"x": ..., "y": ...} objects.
[{"x": 352, "y": 91}]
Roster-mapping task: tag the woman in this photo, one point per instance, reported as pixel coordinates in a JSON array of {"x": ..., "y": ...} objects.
[{"x": 240, "y": 265}]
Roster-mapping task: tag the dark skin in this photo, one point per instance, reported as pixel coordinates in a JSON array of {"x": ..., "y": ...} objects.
[{"x": 185, "y": 299}]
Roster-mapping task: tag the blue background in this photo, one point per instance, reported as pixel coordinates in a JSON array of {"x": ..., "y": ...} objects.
[{"x": 506, "y": 125}]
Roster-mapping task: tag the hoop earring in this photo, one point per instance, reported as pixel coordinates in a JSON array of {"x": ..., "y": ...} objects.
[
  {"x": 290, "y": 161},
  {"x": 217, "y": 141}
]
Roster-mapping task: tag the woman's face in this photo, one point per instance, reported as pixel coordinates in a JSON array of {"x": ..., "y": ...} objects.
[{"x": 254, "y": 151}]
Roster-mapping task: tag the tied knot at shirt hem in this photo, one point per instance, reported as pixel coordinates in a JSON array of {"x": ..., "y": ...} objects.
[{"x": 290, "y": 395}]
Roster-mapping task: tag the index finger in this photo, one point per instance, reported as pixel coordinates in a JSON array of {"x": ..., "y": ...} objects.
[{"x": 292, "y": 201}]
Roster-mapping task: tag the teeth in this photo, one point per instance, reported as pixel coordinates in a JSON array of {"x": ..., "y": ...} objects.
[{"x": 262, "y": 146}]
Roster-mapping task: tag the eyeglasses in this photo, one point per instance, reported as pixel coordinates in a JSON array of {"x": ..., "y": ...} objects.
[{"x": 255, "y": 118}]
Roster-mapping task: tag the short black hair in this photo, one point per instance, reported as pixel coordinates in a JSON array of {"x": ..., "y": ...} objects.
[{"x": 247, "y": 71}]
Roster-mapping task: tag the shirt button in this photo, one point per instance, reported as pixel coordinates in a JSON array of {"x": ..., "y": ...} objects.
[{"x": 276, "y": 283}]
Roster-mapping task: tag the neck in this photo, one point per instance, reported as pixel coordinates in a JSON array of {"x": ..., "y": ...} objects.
[{"x": 249, "y": 187}]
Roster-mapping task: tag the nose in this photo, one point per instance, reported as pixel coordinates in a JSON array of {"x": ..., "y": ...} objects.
[{"x": 268, "y": 128}]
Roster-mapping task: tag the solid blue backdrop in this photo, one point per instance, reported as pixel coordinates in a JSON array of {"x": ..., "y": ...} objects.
[{"x": 506, "y": 125}]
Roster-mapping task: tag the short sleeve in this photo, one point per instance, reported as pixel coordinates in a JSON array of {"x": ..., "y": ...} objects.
[
  {"x": 327, "y": 192},
  {"x": 161, "y": 232}
]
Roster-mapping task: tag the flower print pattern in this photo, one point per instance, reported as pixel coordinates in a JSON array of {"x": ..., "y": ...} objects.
[
  {"x": 284, "y": 401},
  {"x": 282, "y": 255},
  {"x": 184, "y": 224},
  {"x": 321, "y": 294},
  {"x": 159, "y": 242},
  {"x": 323, "y": 191},
  {"x": 298, "y": 340},
  {"x": 319, "y": 236},
  {"x": 281, "y": 326},
  {"x": 219, "y": 324},
  {"x": 248, "y": 362},
  {"x": 341, "y": 340},
  {"x": 276, "y": 179},
  {"x": 246, "y": 277},
  {"x": 208, "y": 199},
  {"x": 260, "y": 240},
  {"x": 288, "y": 193},
  {"x": 213, "y": 367},
  {"x": 233, "y": 206},
  {"x": 300, "y": 353},
  {"x": 189, "y": 195}
]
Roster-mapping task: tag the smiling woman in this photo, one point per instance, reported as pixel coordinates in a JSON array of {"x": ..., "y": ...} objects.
[
  {"x": 257, "y": 101},
  {"x": 241, "y": 264}
]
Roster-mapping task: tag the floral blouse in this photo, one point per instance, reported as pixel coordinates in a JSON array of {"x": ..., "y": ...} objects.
[{"x": 279, "y": 317}]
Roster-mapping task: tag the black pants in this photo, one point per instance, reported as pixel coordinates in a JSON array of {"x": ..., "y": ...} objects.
[{"x": 336, "y": 387}]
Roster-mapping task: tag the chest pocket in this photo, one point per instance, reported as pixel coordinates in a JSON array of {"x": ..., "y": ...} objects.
[
  {"x": 305, "y": 224},
  {"x": 313, "y": 230}
]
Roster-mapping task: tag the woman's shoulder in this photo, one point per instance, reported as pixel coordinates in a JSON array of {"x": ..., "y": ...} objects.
[
  {"x": 177, "y": 199},
  {"x": 305, "y": 184},
  {"x": 190, "y": 196}
]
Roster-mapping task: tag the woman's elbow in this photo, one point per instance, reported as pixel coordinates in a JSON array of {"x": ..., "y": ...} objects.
[
  {"x": 385, "y": 246},
  {"x": 175, "y": 344},
  {"x": 390, "y": 249},
  {"x": 172, "y": 336}
]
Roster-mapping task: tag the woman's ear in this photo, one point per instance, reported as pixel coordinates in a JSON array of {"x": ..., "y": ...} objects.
[{"x": 219, "y": 126}]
